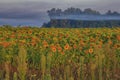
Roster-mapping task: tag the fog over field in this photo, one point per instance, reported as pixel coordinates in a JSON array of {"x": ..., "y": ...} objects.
[{"x": 33, "y": 12}]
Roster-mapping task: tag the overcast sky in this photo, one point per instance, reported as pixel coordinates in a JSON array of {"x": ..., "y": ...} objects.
[
  {"x": 101, "y": 5},
  {"x": 33, "y": 9}
]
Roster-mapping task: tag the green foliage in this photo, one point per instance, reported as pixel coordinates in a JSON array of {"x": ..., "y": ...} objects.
[
  {"x": 59, "y": 54},
  {"x": 57, "y": 23},
  {"x": 22, "y": 65}
]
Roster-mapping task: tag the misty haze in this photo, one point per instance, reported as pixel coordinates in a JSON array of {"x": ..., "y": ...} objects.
[{"x": 34, "y": 12}]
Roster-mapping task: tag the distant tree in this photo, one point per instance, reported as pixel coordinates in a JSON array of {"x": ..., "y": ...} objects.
[
  {"x": 115, "y": 13},
  {"x": 78, "y": 23},
  {"x": 109, "y": 12},
  {"x": 112, "y": 13},
  {"x": 77, "y": 11},
  {"x": 69, "y": 11},
  {"x": 90, "y": 11},
  {"x": 51, "y": 12},
  {"x": 58, "y": 12},
  {"x": 72, "y": 11}
]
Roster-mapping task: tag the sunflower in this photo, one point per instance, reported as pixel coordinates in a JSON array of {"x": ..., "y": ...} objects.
[
  {"x": 66, "y": 47},
  {"x": 90, "y": 50},
  {"x": 45, "y": 44},
  {"x": 118, "y": 37},
  {"x": 59, "y": 49},
  {"x": 6, "y": 44},
  {"x": 53, "y": 48}
]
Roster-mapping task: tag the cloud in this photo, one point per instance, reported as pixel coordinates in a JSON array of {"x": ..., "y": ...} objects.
[{"x": 22, "y": 11}]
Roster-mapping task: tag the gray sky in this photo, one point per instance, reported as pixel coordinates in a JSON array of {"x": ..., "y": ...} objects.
[
  {"x": 101, "y": 5},
  {"x": 34, "y": 9}
]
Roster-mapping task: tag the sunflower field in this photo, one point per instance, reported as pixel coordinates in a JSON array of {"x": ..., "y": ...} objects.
[{"x": 30, "y": 53}]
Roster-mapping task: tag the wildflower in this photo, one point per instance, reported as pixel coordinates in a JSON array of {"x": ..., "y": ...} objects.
[
  {"x": 55, "y": 39},
  {"x": 86, "y": 51},
  {"x": 90, "y": 50},
  {"x": 53, "y": 48},
  {"x": 5, "y": 44},
  {"x": 82, "y": 43},
  {"x": 99, "y": 46},
  {"x": 116, "y": 46},
  {"x": 59, "y": 49},
  {"x": 12, "y": 36},
  {"x": 22, "y": 41},
  {"x": 110, "y": 42},
  {"x": 74, "y": 46},
  {"x": 92, "y": 40},
  {"x": 66, "y": 47},
  {"x": 118, "y": 37},
  {"x": 62, "y": 53},
  {"x": 30, "y": 32},
  {"x": 101, "y": 42},
  {"x": 45, "y": 44},
  {"x": 33, "y": 43}
]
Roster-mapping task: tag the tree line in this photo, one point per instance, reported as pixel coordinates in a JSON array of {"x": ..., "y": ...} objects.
[
  {"x": 78, "y": 11},
  {"x": 59, "y": 23}
]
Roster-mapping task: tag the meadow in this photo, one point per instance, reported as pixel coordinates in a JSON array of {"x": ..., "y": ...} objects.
[{"x": 59, "y": 54}]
